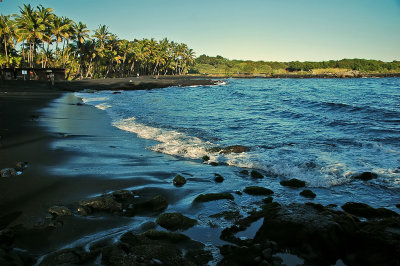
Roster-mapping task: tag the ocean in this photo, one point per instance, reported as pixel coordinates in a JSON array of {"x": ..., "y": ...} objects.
[{"x": 321, "y": 131}]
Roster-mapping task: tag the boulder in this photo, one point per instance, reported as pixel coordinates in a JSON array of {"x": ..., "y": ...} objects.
[
  {"x": 103, "y": 203},
  {"x": 366, "y": 176},
  {"x": 258, "y": 191},
  {"x": 235, "y": 149},
  {"x": 294, "y": 183},
  {"x": 205, "y": 158},
  {"x": 218, "y": 178},
  {"x": 70, "y": 256},
  {"x": 366, "y": 211},
  {"x": 244, "y": 172},
  {"x": 8, "y": 172},
  {"x": 175, "y": 221},
  {"x": 60, "y": 211},
  {"x": 213, "y": 196},
  {"x": 20, "y": 166},
  {"x": 256, "y": 174},
  {"x": 155, "y": 204},
  {"x": 308, "y": 194},
  {"x": 213, "y": 163},
  {"x": 123, "y": 195},
  {"x": 179, "y": 180}
]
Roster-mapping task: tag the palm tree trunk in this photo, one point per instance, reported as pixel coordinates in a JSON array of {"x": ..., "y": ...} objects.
[{"x": 5, "y": 49}]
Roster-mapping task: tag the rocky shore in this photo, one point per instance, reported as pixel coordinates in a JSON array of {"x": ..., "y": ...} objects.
[{"x": 52, "y": 219}]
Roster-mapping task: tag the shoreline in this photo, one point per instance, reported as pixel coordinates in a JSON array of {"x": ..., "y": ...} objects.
[
  {"x": 27, "y": 137},
  {"x": 301, "y": 76}
]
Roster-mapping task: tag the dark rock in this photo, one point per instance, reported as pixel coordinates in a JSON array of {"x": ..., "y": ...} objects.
[
  {"x": 8, "y": 172},
  {"x": 268, "y": 200},
  {"x": 103, "y": 203},
  {"x": 317, "y": 206},
  {"x": 60, "y": 211},
  {"x": 366, "y": 176},
  {"x": 213, "y": 196},
  {"x": 205, "y": 158},
  {"x": 308, "y": 194},
  {"x": 398, "y": 206},
  {"x": 84, "y": 210},
  {"x": 256, "y": 174},
  {"x": 213, "y": 163},
  {"x": 258, "y": 191},
  {"x": 267, "y": 253},
  {"x": 123, "y": 195},
  {"x": 366, "y": 211},
  {"x": 199, "y": 256},
  {"x": 79, "y": 104},
  {"x": 218, "y": 178},
  {"x": 71, "y": 256},
  {"x": 179, "y": 180},
  {"x": 238, "y": 193},
  {"x": 175, "y": 221},
  {"x": 295, "y": 183},
  {"x": 156, "y": 204},
  {"x": 235, "y": 149},
  {"x": 20, "y": 166},
  {"x": 167, "y": 236},
  {"x": 244, "y": 172}
]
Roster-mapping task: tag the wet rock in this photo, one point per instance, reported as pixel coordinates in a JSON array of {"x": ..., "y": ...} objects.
[
  {"x": 258, "y": 191},
  {"x": 199, "y": 257},
  {"x": 103, "y": 203},
  {"x": 8, "y": 172},
  {"x": 84, "y": 211},
  {"x": 398, "y": 206},
  {"x": 71, "y": 256},
  {"x": 213, "y": 196},
  {"x": 366, "y": 176},
  {"x": 267, "y": 253},
  {"x": 175, "y": 221},
  {"x": 218, "y": 178},
  {"x": 179, "y": 180},
  {"x": 235, "y": 149},
  {"x": 294, "y": 183},
  {"x": 256, "y": 174},
  {"x": 213, "y": 163},
  {"x": 366, "y": 211},
  {"x": 123, "y": 195},
  {"x": 60, "y": 211},
  {"x": 20, "y": 166},
  {"x": 155, "y": 204},
  {"x": 244, "y": 172},
  {"x": 308, "y": 194},
  {"x": 205, "y": 158}
]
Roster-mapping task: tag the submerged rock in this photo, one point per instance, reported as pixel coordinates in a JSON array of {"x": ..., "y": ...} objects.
[
  {"x": 256, "y": 174},
  {"x": 71, "y": 256},
  {"x": 213, "y": 196},
  {"x": 155, "y": 204},
  {"x": 218, "y": 178},
  {"x": 295, "y": 183},
  {"x": 60, "y": 211},
  {"x": 366, "y": 211},
  {"x": 175, "y": 221},
  {"x": 8, "y": 172},
  {"x": 213, "y": 163},
  {"x": 244, "y": 172},
  {"x": 308, "y": 194},
  {"x": 258, "y": 191},
  {"x": 235, "y": 149},
  {"x": 366, "y": 176},
  {"x": 179, "y": 180}
]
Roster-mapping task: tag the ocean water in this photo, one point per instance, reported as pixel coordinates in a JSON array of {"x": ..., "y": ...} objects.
[{"x": 322, "y": 131}]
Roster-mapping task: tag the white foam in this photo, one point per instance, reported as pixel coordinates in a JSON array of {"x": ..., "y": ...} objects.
[
  {"x": 102, "y": 106},
  {"x": 171, "y": 142}
]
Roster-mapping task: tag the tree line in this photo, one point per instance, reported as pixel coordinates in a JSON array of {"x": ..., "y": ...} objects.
[
  {"x": 220, "y": 65},
  {"x": 38, "y": 38}
]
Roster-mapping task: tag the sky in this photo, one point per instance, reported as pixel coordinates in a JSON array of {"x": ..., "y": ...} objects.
[{"x": 269, "y": 30}]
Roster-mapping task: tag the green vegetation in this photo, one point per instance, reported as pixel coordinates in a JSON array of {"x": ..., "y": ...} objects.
[
  {"x": 37, "y": 38},
  {"x": 224, "y": 67}
]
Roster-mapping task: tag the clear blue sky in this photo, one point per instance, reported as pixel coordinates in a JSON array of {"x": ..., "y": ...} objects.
[{"x": 277, "y": 30}]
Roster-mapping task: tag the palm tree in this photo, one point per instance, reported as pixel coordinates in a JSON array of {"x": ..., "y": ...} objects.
[
  {"x": 81, "y": 34},
  {"x": 59, "y": 32},
  {"x": 46, "y": 16},
  {"x": 6, "y": 34},
  {"x": 30, "y": 28}
]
